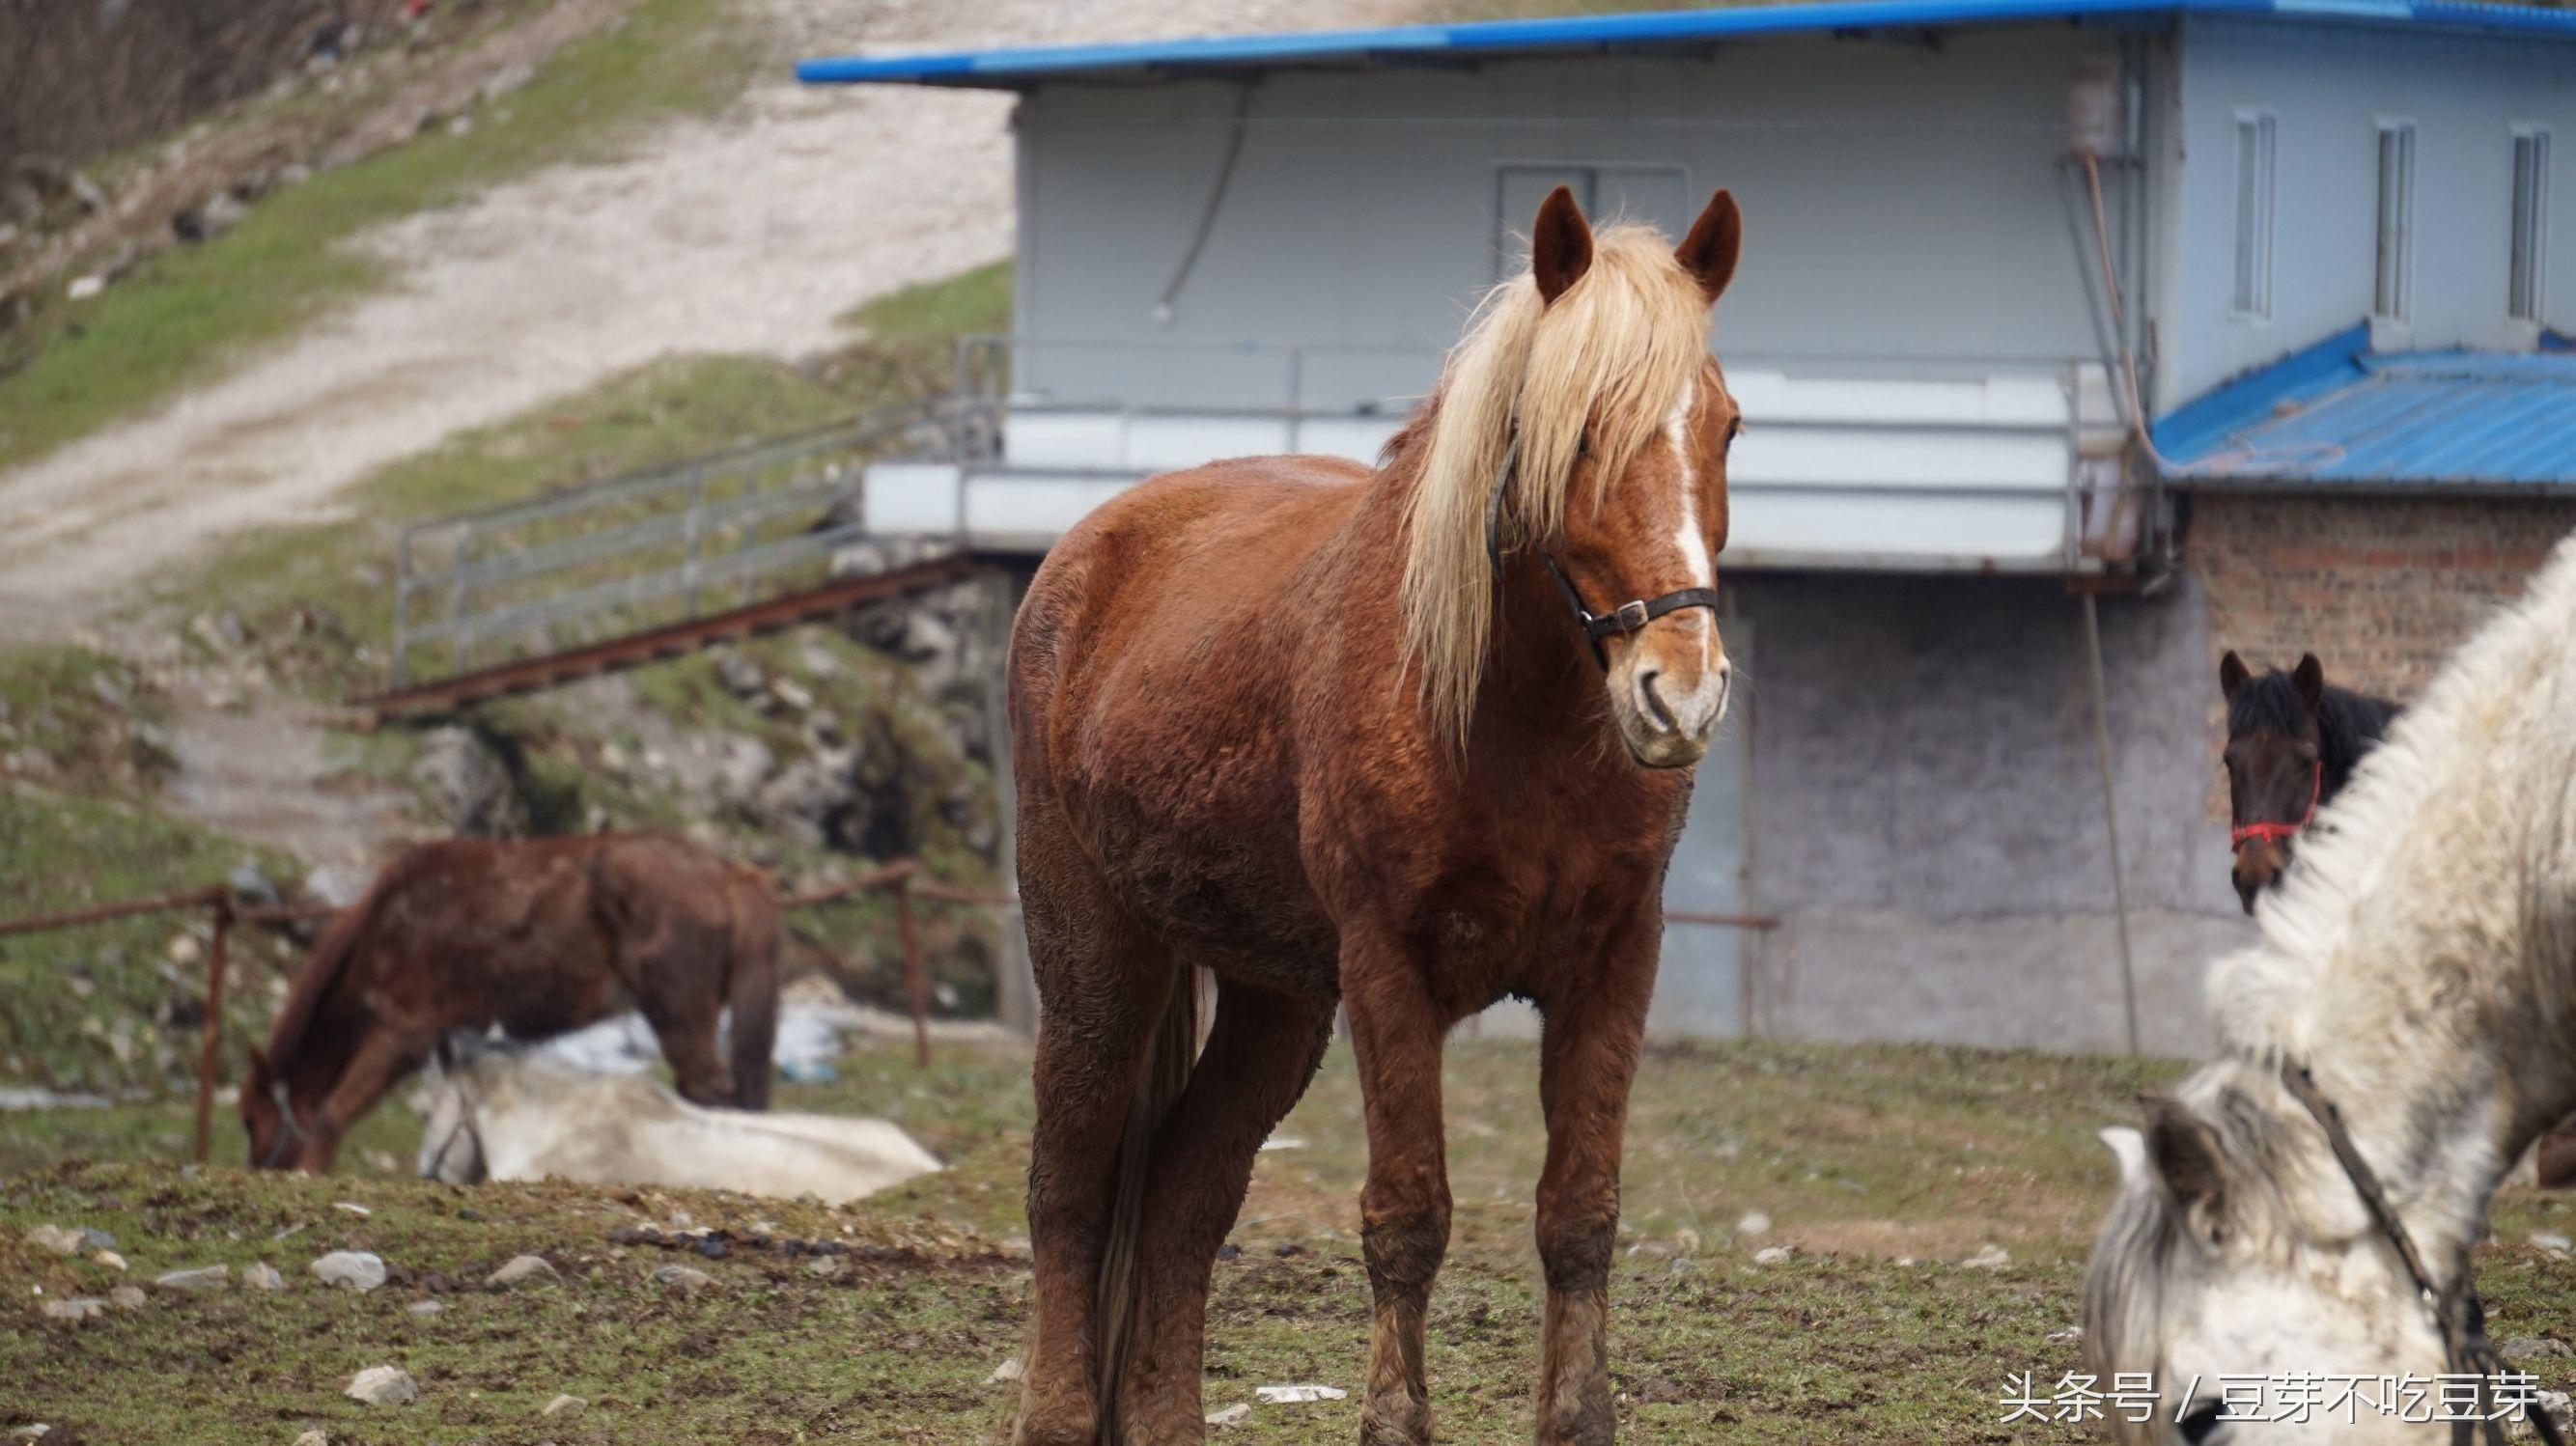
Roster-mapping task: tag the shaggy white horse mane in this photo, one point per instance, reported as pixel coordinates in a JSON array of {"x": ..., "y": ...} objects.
[{"x": 2416, "y": 887}]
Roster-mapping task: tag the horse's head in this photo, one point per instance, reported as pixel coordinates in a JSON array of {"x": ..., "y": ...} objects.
[
  {"x": 2238, "y": 1263},
  {"x": 1578, "y": 450},
  {"x": 2274, "y": 765},
  {"x": 1647, "y": 499},
  {"x": 269, "y": 1117}
]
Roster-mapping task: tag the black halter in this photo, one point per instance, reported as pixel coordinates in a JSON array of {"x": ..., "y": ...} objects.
[
  {"x": 2455, "y": 1310},
  {"x": 1627, "y": 617}
]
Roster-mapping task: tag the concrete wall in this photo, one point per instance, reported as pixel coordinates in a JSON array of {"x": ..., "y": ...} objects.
[
  {"x": 1927, "y": 816},
  {"x": 1900, "y": 201},
  {"x": 2329, "y": 89}
]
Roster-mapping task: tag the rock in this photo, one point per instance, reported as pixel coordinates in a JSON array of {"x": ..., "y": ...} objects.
[
  {"x": 352, "y": 1207},
  {"x": 222, "y": 633},
  {"x": 743, "y": 763},
  {"x": 127, "y": 1297},
  {"x": 1008, "y": 1371},
  {"x": 796, "y": 696},
  {"x": 469, "y": 786},
  {"x": 425, "y": 1308},
  {"x": 221, "y": 212},
  {"x": 211, "y": 1277},
  {"x": 76, "y": 1311},
  {"x": 110, "y": 1259},
  {"x": 85, "y": 287},
  {"x": 520, "y": 1269},
  {"x": 2550, "y": 1240},
  {"x": 1230, "y": 1415},
  {"x": 740, "y": 675},
  {"x": 1297, "y": 1395},
  {"x": 263, "y": 1276},
  {"x": 60, "y": 1239},
  {"x": 1754, "y": 1222},
  {"x": 246, "y": 879},
  {"x": 335, "y": 886},
  {"x": 2524, "y": 1348},
  {"x": 684, "y": 1278},
  {"x": 1686, "y": 1241},
  {"x": 560, "y": 1404},
  {"x": 2067, "y": 1336},
  {"x": 312, "y": 1438},
  {"x": 1773, "y": 1255},
  {"x": 96, "y": 1239},
  {"x": 383, "y": 1386},
  {"x": 1992, "y": 1257},
  {"x": 827, "y": 1266},
  {"x": 355, "y": 1269}
]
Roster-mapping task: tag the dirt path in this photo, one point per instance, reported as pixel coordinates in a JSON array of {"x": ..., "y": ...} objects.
[{"x": 748, "y": 234}]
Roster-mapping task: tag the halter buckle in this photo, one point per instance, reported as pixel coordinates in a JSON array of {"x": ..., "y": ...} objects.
[{"x": 1630, "y": 616}]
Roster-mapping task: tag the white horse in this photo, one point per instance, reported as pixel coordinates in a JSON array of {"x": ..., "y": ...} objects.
[
  {"x": 2416, "y": 981},
  {"x": 500, "y": 1115}
]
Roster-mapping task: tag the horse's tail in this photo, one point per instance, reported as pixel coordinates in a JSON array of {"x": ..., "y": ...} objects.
[
  {"x": 1168, "y": 1062},
  {"x": 751, "y": 990}
]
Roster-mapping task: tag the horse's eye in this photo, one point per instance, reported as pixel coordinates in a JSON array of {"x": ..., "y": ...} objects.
[
  {"x": 1583, "y": 443},
  {"x": 2203, "y": 1420}
]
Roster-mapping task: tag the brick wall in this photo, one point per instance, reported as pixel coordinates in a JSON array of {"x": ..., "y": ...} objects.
[{"x": 2380, "y": 589}]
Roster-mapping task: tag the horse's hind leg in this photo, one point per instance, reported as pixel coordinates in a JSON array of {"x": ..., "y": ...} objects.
[
  {"x": 687, "y": 1033},
  {"x": 1102, "y": 986},
  {"x": 1259, "y": 1057}
]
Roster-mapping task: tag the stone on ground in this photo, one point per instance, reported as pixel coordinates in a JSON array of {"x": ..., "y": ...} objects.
[
  {"x": 520, "y": 1269},
  {"x": 383, "y": 1386},
  {"x": 211, "y": 1277},
  {"x": 263, "y": 1276},
  {"x": 355, "y": 1269},
  {"x": 686, "y": 1278},
  {"x": 561, "y": 1404}
]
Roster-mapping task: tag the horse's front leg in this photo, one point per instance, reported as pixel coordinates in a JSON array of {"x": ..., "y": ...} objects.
[
  {"x": 1586, "y": 1066},
  {"x": 1404, "y": 1209}
]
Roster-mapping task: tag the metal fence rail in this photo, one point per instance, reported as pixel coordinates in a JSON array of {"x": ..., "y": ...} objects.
[{"x": 643, "y": 550}]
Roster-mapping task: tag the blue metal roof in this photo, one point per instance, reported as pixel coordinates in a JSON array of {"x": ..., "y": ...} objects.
[
  {"x": 1588, "y": 34},
  {"x": 2442, "y": 420}
]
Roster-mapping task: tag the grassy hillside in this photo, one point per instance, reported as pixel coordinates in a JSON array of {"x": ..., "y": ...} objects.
[{"x": 183, "y": 314}]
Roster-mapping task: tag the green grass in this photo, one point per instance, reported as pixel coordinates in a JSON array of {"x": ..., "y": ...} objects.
[
  {"x": 1882, "y": 1166},
  {"x": 76, "y": 716},
  {"x": 110, "y": 1006},
  {"x": 189, "y": 311},
  {"x": 969, "y": 303}
]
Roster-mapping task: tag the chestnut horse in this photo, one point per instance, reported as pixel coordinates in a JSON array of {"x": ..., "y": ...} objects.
[
  {"x": 1339, "y": 735},
  {"x": 2293, "y": 740},
  {"x": 539, "y": 937}
]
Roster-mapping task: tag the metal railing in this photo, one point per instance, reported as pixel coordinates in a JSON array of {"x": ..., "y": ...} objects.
[{"x": 644, "y": 549}]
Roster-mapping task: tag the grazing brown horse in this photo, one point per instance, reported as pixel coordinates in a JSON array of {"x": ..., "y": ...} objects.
[
  {"x": 2292, "y": 742},
  {"x": 1334, "y": 734},
  {"x": 538, "y": 937}
]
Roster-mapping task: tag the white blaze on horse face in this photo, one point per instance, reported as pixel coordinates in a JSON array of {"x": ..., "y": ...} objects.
[{"x": 1698, "y": 710}]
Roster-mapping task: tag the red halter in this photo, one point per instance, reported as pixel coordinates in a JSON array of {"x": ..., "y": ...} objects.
[{"x": 2239, "y": 835}]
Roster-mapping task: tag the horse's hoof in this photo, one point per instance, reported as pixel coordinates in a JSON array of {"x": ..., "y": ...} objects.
[{"x": 1406, "y": 1425}]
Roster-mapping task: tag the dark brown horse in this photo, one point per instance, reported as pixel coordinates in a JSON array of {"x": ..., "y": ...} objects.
[
  {"x": 1340, "y": 735},
  {"x": 2292, "y": 742},
  {"x": 538, "y": 937}
]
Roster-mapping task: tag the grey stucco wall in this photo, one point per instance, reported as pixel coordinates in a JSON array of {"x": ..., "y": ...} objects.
[
  {"x": 1901, "y": 201},
  {"x": 1927, "y": 816}
]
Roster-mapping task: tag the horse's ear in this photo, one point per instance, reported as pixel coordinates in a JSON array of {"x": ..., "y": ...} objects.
[
  {"x": 2232, "y": 675},
  {"x": 1708, "y": 253},
  {"x": 2130, "y": 1149},
  {"x": 2184, "y": 1153},
  {"x": 2310, "y": 679},
  {"x": 1560, "y": 245}
]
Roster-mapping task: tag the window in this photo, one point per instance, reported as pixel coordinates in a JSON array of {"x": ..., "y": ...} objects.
[
  {"x": 2256, "y": 133},
  {"x": 2530, "y": 268},
  {"x": 2392, "y": 295}
]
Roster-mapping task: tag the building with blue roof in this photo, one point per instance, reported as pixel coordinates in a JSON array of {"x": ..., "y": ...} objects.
[{"x": 2317, "y": 232}]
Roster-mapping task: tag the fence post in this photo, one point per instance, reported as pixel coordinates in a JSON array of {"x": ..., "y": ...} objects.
[
  {"x": 915, "y": 984},
  {"x": 209, "y": 1056}
]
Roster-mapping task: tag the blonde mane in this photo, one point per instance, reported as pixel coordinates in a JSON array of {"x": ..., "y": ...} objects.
[{"x": 1613, "y": 352}]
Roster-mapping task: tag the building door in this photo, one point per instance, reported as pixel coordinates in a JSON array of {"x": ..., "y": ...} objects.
[{"x": 1701, "y": 987}]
